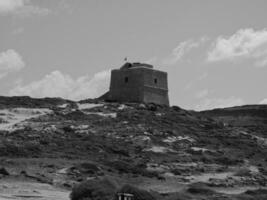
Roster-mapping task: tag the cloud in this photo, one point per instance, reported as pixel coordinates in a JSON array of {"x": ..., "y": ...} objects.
[
  {"x": 193, "y": 82},
  {"x": 18, "y": 31},
  {"x": 211, "y": 103},
  {"x": 10, "y": 61},
  {"x": 264, "y": 101},
  {"x": 58, "y": 84},
  {"x": 10, "y": 5},
  {"x": 202, "y": 93},
  {"x": 179, "y": 52},
  {"x": 245, "y": 43},
  {"x": 21, "y": 7},
  {"x": 151, "y": 60}
]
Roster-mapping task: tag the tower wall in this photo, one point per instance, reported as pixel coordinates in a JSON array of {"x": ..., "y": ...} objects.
[
  {"x": 156, "y": 87},
  {"x": 130, "y": 91},
  {"x": 139, "y": 84}
]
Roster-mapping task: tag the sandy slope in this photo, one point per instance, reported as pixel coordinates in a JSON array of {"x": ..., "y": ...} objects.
[{"x": 23, "y": 189}]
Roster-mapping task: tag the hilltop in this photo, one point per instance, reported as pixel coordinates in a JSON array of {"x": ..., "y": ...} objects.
[{"x": 168, "y": 151}]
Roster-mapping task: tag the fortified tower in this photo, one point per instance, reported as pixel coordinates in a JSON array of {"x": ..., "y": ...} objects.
[{"x": 138, "y": 82}]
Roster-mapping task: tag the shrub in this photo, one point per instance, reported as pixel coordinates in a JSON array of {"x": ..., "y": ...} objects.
[
  {"x": 179, "y": 196},
  {"x": 200, "y": 188},
  {"x": 259, "y": 194},
  {"x": 120, "y": 166},
  {"x": 138, "y": 169},
  {"x": 256, "y": 192},
  {"x": 87, "y": 167},
  {"x": 14, "y": 149},
  {"x": 93, "y": 190},
  {"x": 243, "y": 172},
  {"x": 176, "y": 171},
  {"x": 228, "y": 160}
]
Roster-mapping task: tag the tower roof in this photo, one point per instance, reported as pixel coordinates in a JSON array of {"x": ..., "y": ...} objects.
[{"x": 128, "y": 65}]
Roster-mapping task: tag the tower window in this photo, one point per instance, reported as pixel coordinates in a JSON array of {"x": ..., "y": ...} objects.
[
  {"x": 126, "y": 79},
  {"x": 155, "y": 80}
]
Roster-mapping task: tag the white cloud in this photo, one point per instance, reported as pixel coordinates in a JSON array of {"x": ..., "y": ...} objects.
[
  {"x": 57, "y": 84},
  {"x": 179, "y": 52},
  {"x": 10, "y": 61},
  {"x": 202, "y": 93},
  {"x": 262, "y": 62},
  {"x": 10, "y": 5},
  {"x": 264, "y": 101},
  {"x": 18, "y": 31},
  {"x": 211, "y": 103},
  {"x": 185, "y": 47},
  {"x": 193, "y": 82},
  {"x": 151, "y": 60},
  {"x": 245, "y": 43},
  {"x": 21, "y": 7}
]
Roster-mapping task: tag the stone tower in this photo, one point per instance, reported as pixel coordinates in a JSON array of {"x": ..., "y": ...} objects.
[{"x": 138, "y": 82}]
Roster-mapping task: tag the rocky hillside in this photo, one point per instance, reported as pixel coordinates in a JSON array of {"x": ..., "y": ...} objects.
[{"x": 167, "y": 151}]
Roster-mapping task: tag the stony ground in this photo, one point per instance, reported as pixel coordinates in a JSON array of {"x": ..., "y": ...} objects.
[{"x": 57, "y": 143}]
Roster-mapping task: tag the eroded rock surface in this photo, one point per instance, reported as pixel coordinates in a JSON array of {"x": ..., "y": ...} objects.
[{"x": 61, "y": 143}]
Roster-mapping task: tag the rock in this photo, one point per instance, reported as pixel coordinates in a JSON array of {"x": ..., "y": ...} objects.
[
  {"x": 152, "y": 107},
  {"x": 24, "y": 173},
  {"x": 176, "y": 108},
  {"x": 67, "y": 185},
  {"x": 200, "y": 188},
  {"x": 4, "y": 172},
  {"x": 142, "y": 106}
]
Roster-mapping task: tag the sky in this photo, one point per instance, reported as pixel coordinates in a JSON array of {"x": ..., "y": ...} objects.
[{"x": 215, "y": 51}]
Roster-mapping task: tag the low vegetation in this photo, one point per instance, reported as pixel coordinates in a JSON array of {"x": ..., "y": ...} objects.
[
  {"x": 93, "y": 190},
  {"x": 144, "y": 146}
]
